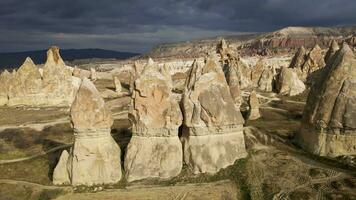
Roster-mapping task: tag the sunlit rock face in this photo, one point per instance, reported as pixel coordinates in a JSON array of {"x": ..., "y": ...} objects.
[
  {"x": 52, "y": 85},
  {"x": 254, "y": 111},
  {"x": 212, "y": 134},
  {"x": 59, "y": 85},
  {"x": 334, "y": 47},
  {"x": 95, "y": 157},
  {"x": 265, "y": 83},
  {"x": 288, "y": 82},
  {"x": 5, "y": 78},
  {"x": 329, "y": 120},
  {"x": 154, "y": 150}
]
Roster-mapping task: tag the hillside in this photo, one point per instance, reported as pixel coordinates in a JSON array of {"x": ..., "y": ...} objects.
[
  {"x": 285, "y": 40},
  {"x": 13, "y": 60}
]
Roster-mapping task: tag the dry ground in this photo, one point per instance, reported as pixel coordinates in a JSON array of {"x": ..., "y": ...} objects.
[{"x": 275, "y": 169}]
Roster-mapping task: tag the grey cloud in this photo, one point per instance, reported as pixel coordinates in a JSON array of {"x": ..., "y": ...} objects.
[{"x": 136, "y": 25}]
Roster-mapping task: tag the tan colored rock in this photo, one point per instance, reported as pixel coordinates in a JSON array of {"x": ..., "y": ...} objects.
[
  {"x": 5, "y": 78},
  {"x": 26, "y": 86},
  {"x": 254, "y": 111},
  {"x": 93, "y": 75},
  {"x": 154, "y": 150},
  {"x": 62, "y": 170},
  {"x": 329, "y": 119},
  {"x": 58, "y": 83},
  {"x": 212, "y": 137},
  {"x": 95, "y": 157},
  {"x": 288, "y": 82},
  {"x": 234, "y": 84},
  {"x": 256, "y": 73},
  {"x": 117, "y": 83},
  {"x": 299, "y": 58},
  {"x": 313, "y": 62},
  {"x": 266, "y": 80},
  {"x": 331, "y": 51}
]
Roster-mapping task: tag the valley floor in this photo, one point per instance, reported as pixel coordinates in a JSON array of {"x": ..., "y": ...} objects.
[{"x": 275, "y": 169}]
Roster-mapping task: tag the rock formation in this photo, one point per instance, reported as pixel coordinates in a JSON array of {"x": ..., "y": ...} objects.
[
  {"x": 59, "y": 84},
  {"x": 232, "y": 78},
  {"x": 26, "y": 86},
  {"x": 314, "y": 61},
  {"x": 266, "y": 80},
  {"x": 154, "y": 150},
  {"x": 242, "y": 70},
  {"x": 212, "y": 135},
  {"x": 254, "y": 111},
  {"x": 93, "y": 75},
  {"x": 288, "y": 82},
  {"x": 299, "y": 58},
  {"x": 329, "y": 119},
  {"x": 5, "y": 78},
  {"x": 95, "y": 156},
  {"x": 117, "y": 83},
  {"x": 52, "y": 85},
  {"x": 256, "y": 73},
  {"x": 331, "y": 51}
]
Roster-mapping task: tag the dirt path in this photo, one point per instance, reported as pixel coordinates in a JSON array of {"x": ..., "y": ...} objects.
[{"x": 212, "y": 191}]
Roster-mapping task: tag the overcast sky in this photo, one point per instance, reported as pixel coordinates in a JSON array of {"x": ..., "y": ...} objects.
[{"x": 137, "y": 25}]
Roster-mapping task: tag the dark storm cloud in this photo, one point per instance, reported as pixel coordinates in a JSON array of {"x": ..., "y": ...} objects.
[{"x": 136, "y": 25}]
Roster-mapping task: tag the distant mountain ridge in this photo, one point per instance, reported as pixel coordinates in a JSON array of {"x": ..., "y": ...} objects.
[{"x": 15, "y": 59}]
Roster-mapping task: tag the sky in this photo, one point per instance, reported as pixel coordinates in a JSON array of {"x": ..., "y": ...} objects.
[{"x": 138, "y": 25}]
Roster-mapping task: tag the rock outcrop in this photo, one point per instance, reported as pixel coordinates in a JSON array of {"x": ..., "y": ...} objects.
[
  {"x": 331, "y": 51},
  {"x": 59, "y": 84},
  {"x": 254, "y": 111},
  {"x": 288, "y": 82},
  {"x": 232, "y": 78},
  {"x": 298, "y": 58},
  {"x": 5, "y": 78},
  {"x": 266, "y": 80},
  {"x": 95, "y": 156},
  {"x": 314, "y": 61},
  {"x": 117, "y": 83},
  {"x": 212, "y": 133},
  {"x": 26, "y": 86},
  {"x": 52, "y": 85},
  {"x": 155, "y": 150},
  {"x": 256, "y": 73},
  {"x": 329, "y": 119}
]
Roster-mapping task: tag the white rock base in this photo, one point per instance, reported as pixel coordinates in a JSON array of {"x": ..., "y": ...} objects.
[
  {"x": 210, "y": 153},
  {"x": 153, "y": 157}
]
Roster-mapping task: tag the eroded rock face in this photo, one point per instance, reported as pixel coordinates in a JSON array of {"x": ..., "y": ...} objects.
[
  {"x": 52, "y": 85},
  {"x": 288, "y": 82},
  {"x": 313, "y": 62},
  {"x": 331, "y": 51},
  {"x": 154, "y": 150},
  {"x": 329, "y": 119},
  {"x": 254, "y": 112},
  {"x": 117, "y": 83},
  {"x": 242, "y": 70},
  {"x": 212, "y": 137},
  {"x": 59, "y": 84},
  {"x": 5, "y": 78},
  {"x": 266, "y": 80},
  {"x": 232, "y": 78},
  {"x": 256, "y": 73},
  {"x": 299, "y": 58},
  {"x": 26, "y": 86},
  {"x": 95, "y": 156}
]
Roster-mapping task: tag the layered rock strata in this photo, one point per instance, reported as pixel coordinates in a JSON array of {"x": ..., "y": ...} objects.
[
  {"x": 329, "y": 120},
  {"x": 155, "y": 150},
  {"x": 212, "y": 132},
  {"x": 95, "y": 156}
]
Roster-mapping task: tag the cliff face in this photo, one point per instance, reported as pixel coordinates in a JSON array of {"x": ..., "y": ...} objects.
[{"x": 279, "y": 42}]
